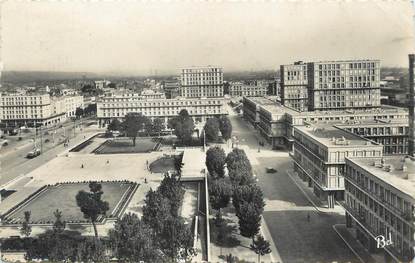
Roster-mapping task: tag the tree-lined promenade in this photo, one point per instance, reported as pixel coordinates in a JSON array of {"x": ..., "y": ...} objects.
[{"x": 239, "y": 186}]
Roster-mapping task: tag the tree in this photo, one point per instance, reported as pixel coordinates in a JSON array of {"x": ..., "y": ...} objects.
[
  {"x": 183, "y": 126},
  {"x": 215, "y": 162},
  {"x": 239, "y": 168},
  {"x": 220, "y": 192},
  {"x": 260, "y": 246},
  {"x": 55, "y": 247},
  {"x": 171, "y": 188},
  {"x": 156, "y": 210},
  {"x": 133, "y": 123},
  {"x": 158, "y": 125},
  {"x": 26, "y": 229},
  {"x": 79, "y": 112},
  {"x": 133, "y": 240},
  {"x": 91, "y": 204},
  {"x": 115, "y": 125},
  {"x": 59, "y": 225},
  {"x": 248, "y": 194},
  {"x": 249, "y": 220},
  {"x": 148, "y": 126},
  {"x": 176, "y": 240},
  {"x": 90, "y": 250},
  {"x": 112, "y": 85},
  {"x": 212, "y": 129},
  {"x": 225, "y": 128}
]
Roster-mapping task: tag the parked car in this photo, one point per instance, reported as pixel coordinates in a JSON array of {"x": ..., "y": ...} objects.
[
  {"x": 270, "y": 170},
  {"x": 32, "y": 154},
  {"x": 4, "y": 142}
]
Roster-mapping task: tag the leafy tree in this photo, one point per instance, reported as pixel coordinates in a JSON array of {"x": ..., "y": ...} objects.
[
  {"x": 91, "y": 204},
  {"x": 176, "y": 240},
  {"x": 133, "y": 240},
  {"x": 115, "y": 125},
  {"x": 91, "y": 109},
  {"x": 260, "y": 246},
  {"x": 225, "y": 128},
  {"x": 79, "y": 112},
  {"x": 215, "y": 162},
  {"x": 249, "y": 219},
  {"x": 59, "y": 225},
  {"x": 55, "y": 246},
  {"x": 112, "y": 85},
  {"x": 158, "y": 125},
  {"x": 148, "y": 126},
  {"x": 183, "y": 126},
  {"x": 239, "y": 168},
  {"x": 26, "y": 229},
  {"x": 171, "y": 188},
  {"x": 220, "y": 192},
  {"x": 133, "y": 123},
  {"x": 156, "y": 210},
  {"x": 212, "y": 129},
  {"x": 90, "y": 250},
  {"x": 248, "y": 194},
  {"x": 87, "y": 89}
]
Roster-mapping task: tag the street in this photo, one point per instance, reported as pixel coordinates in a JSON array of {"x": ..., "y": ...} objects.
[
  {"x": 297, "y": 239},
  {"x": 14, "y": 162}
]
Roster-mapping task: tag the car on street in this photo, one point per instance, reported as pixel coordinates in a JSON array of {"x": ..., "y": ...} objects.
[
  {"x": 32, "y": 154},
  {"x": 4, "y": 142},
  {"x": 271, "y": 170}
]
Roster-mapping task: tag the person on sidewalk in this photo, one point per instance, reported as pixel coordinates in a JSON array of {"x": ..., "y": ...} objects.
[{"x": 308, "y": 217}]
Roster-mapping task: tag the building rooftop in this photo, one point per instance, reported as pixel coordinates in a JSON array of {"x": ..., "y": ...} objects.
[
  {"x": 332, "y": 136},
  {"x": 400, "y": 121},
  {"x": 397, "y": 171},
  {"x": 272, "y": 106},
  {"x": 381, "y": 109}
]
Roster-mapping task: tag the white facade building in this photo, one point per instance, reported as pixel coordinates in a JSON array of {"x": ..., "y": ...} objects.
[{"x": 201, "y": 82}]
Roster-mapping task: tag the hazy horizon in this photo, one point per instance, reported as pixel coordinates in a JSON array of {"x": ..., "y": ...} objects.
[{"x": 159, "y": 38}]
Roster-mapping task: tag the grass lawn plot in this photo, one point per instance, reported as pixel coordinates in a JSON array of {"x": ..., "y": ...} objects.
[
  {"x": 125, "y": 145},
  {"x": 62, "y": 197}
]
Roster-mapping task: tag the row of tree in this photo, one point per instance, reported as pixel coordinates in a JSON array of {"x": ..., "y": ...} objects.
[
  {"x": 161, "y": 235},
  {"x": 240, "y": 185},
  {"x": 215, "y": 125},
  {"x": 136, "y": 122}
]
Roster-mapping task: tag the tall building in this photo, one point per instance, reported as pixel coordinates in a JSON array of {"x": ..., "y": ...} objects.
[
  {"x": 201, "y": 82},
  {"x": 319, "y": 153},
  {"x": 380, "y": 202},
  {"x": 331, "y": 85},
  {"x": 411, "y": 144},
  {"x": 337, "y": 85},
  {"x": 294, "y": 86}
]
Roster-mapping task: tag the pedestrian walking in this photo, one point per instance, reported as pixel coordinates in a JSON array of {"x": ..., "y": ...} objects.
[
  {"x": 308, "y": 217},
  {"x": 82, "y": 165}
]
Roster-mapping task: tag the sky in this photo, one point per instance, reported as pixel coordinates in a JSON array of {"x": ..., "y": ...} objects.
[{"x": 162, "y": 37}]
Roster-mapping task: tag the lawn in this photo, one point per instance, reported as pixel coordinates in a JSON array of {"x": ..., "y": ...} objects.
[
  {"x": 62, "y": 197},
  {"x": 125, "y": 145}
]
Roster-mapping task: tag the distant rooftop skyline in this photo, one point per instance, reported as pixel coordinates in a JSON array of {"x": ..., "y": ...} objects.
[{"x": 164, "y": 37}]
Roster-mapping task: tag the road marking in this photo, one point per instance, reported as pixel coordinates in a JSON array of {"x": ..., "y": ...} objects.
[{"x": 344, "y": 240}]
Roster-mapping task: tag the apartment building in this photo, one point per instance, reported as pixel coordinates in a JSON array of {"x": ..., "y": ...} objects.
[
  {"x": 392, "y": 134},
  {"x": 264, "y": 113},
  {"x": 171, "y": 89},
  {"x": 243, "y": 89},
  {"x": 411, "y": 105},
  {"x": 331, "y": 85},
  {"x": 380, "y": 201},
  {"x": 201, "y": 82},
  {"x": 319, "y": 153},
  {"x": 36, "y": 109},
  {"x": 294, "y": 86},
  {"x": 117, "y": 106}
]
